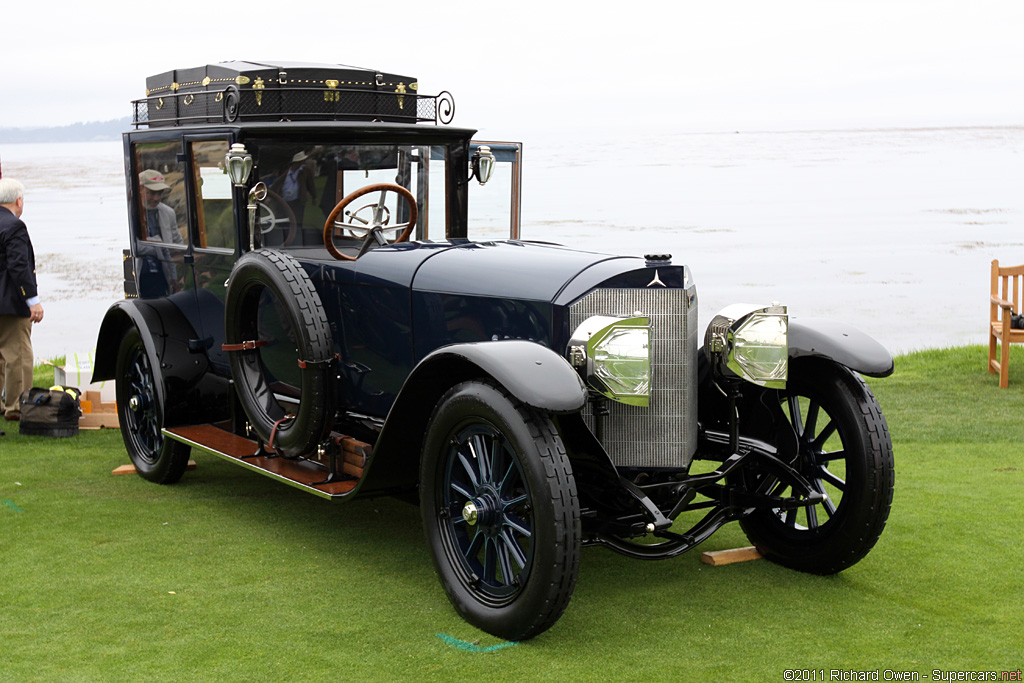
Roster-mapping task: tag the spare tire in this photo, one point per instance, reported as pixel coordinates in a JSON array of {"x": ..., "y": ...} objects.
[{"x": 280, "y": 351}]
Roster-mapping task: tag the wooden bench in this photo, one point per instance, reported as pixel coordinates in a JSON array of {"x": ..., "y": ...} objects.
[{"x": 1006, "y": 297}]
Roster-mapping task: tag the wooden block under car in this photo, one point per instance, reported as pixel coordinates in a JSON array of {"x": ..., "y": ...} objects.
[
  {"x": 130, "y": 469},
  {"x": 719, "y": 557}
]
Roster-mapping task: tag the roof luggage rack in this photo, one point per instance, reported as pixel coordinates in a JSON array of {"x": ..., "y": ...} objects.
[{"x": 233, "y": 92}]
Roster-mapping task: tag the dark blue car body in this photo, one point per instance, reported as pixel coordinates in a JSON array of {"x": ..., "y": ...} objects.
[{"x": 533, "y": 399}]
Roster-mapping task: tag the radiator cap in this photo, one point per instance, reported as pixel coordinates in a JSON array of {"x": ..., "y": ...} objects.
[{"x": 658, "y": 259}]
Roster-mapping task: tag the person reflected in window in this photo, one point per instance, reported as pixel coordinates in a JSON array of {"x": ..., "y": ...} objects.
[
  {"x": 296, "y": 185},
  {"x": 157, "y": 273}
]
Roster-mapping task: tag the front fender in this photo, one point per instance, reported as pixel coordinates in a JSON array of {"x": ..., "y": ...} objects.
[
  {"x": 840, "y": 342},
  {"x": 532, "y": 373}
]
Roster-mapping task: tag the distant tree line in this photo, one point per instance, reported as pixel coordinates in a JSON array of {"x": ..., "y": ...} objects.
[{"x": 76, "y": 132}]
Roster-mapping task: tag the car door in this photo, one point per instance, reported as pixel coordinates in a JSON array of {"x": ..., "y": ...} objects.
[
  {"x": 161, "y": 244},
  {"x": 215, "y": 237}
]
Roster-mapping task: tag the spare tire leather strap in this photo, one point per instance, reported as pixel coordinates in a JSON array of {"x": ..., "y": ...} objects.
[
  {"x": 244, "y": 346},
  {"x": 273, "y": 432}
]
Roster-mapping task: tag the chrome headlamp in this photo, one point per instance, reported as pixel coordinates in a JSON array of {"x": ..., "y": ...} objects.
[
  {"x": 751, "y": 343},
  {"x": 613, "y": 355}
]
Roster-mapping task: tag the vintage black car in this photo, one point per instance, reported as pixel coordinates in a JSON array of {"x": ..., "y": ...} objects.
[{"x": 303, "y": 299}]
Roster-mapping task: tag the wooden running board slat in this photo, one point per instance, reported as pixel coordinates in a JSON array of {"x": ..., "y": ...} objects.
[{"x": 301, "y": 474}]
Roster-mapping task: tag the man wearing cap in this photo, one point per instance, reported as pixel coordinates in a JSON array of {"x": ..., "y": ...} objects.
[
  {"x": 157, "y": 274},
  {"x": 19, "y": 298}
]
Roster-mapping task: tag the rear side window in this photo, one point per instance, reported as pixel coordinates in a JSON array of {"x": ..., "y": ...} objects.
[
  {"x": 160, "y": 179},
  {"x": 214, "y": 209}
]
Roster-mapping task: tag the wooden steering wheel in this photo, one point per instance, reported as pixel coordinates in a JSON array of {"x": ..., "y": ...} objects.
[{"x": 373, "y": 229}]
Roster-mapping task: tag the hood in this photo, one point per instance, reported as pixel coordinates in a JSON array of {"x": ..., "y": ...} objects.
[{"x": 520, "y": 270}]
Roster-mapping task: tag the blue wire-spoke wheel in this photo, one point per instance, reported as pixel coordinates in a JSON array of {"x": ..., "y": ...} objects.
[
  {"x": 500, "y": 511},
  {"x": 140, "y": 411},
  {"x": 487, "y": 511},
  {"x": 844, "y": 451},
  {"x": 141, "y": 418}
]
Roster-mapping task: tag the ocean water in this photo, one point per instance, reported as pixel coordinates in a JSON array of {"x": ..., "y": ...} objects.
[{"x": 892, "y": 231}]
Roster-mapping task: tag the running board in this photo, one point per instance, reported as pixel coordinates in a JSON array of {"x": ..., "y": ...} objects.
[{"x": 302, "y": 474}]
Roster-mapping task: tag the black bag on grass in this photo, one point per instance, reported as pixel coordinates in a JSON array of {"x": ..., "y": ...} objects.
[{"x": 50, "y": 412}]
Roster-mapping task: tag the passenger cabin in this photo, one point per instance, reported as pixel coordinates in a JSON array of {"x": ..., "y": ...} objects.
[{"x": 306, "y": 137}]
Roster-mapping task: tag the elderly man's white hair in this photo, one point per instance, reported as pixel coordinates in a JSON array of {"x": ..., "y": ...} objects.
[{"x": 10, "y": 190}]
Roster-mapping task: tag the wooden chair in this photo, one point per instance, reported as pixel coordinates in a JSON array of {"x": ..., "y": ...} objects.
[{"x": 1007, "y": 285}]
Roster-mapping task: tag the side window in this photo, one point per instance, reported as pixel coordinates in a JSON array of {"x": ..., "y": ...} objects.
[
  {"x": 492, "y": 215},
  {"x": 214, "y": 208},
  {"x": 161, "y": 190}
]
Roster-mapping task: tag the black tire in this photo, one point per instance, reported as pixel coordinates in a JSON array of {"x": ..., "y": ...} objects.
[
  {"x": 140, "y": 411},
  {"x": 268, "y": 280},
  {"x": 513, "y": 572},
  {"x": 846, "y": 453}
]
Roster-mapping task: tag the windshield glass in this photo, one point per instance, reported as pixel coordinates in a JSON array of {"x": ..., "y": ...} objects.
[{"x": 307, "y": 181}]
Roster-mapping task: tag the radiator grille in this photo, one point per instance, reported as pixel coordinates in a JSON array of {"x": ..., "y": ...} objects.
[{"x": 664, "y": 434}]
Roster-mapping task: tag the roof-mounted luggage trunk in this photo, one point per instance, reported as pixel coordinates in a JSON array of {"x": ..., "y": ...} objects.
[{"x": 249, "y": 91}]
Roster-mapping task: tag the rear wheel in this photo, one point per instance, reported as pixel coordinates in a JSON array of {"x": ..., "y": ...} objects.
[
  {"x": 500, "y": 510},
  {"x": 844, "y": 450},
  {"x": 140, "y": 410}
]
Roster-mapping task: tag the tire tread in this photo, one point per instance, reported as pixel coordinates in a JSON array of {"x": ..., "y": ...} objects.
[
  {"x": 861, "y": 529},
  {"x": 525, "y": 617}
]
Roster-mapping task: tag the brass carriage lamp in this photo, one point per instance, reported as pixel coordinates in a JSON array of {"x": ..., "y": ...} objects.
[
  {"x": 239, "y": 164},
  {"x": 482, "y": 164}
]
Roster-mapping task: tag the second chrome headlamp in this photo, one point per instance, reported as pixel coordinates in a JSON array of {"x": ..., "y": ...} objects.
[{"x": 750, "y": 343}]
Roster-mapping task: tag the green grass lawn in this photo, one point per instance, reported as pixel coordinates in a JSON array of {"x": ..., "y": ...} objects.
[{"x": 229, "y": 576}]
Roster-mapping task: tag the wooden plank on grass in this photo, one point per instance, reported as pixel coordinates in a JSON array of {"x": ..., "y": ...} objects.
[
  {"x": 130, "y": 469},
  {"x": 719, "y": 557}
]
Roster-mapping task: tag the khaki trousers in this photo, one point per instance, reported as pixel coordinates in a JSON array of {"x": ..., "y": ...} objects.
[{"x": 15, "y": 359}]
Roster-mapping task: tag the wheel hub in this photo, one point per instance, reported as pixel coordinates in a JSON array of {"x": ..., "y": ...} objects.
[
  {"x": 139, "y": 403},
  {"x": 808, "y": 455},
  {"x": 470, "y": 513},
  {"x": 484, "y": 510}
]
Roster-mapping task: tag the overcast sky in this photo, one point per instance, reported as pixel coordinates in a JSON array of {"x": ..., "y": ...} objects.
[{"x": 690, "y": 66}]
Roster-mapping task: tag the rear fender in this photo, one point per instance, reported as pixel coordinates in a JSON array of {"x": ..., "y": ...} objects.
[
  {"x": 119, "y": 318},
  {"x": 181, "y": 372},
  {"x": 839, "y": 342},
  {"x": 532, "y": 373}
]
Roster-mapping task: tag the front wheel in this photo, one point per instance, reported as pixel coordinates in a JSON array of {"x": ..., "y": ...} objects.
[
  {"x": 844, "y": 450},
  {"x": 500, "y": 511},
  {"x": 140, "y": 411}
]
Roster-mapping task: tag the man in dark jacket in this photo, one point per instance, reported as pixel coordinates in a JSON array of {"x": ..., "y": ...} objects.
[{"x": 19, "y": 299}]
